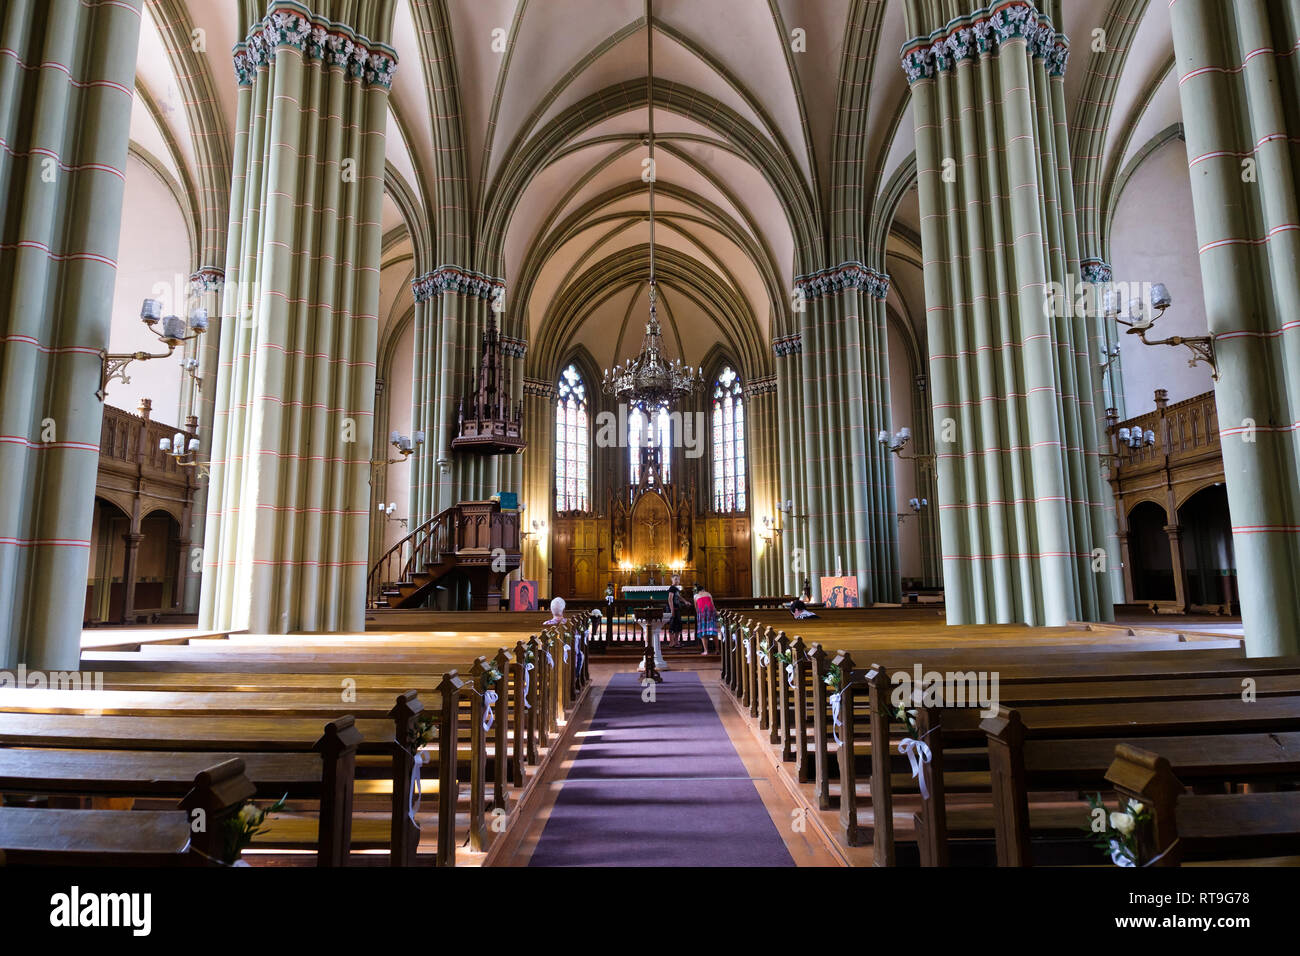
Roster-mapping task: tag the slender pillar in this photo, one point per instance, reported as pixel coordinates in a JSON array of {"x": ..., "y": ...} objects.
[
  {"x": 206, "y": 291},
  {"x": 1019, "y": 486},
  {"x": 130, "y": 569},
  {"x": 1238, "y": 72},
  {"x": 289, "y": 508},
  {"x": 66, "y": 75},
  {"x": 1175, "y": 535}
]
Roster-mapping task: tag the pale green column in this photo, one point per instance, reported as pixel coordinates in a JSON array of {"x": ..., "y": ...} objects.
[
  {"x": 538, "y": 491},
  {"x": 456, "y": 305},
  {"x": 1239, "y": 76},
  {"x": 843, "y": 480},
  {"x": 761, "y": 443},
  {"x": 1019, "y": 485},
  {"x": 66, "y": 76},
  {"x": 206, "y": 292},
  {"x": 289, "y": 506}
]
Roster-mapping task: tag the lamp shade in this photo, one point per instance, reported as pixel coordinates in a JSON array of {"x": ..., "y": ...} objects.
[
  {"x": 199, "y": 320},
  {"x": 151, "y": 311},
  {"x": 164, "y": 444},
  {"x": 1160, "y": 297},
  {"x": 173, "y": 329}
]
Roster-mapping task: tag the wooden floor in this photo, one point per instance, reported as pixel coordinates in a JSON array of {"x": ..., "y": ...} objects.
[{"x": 806, "y": 842}]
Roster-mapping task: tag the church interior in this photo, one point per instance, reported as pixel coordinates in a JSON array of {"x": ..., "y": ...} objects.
[{"x": 497, "y": 433}]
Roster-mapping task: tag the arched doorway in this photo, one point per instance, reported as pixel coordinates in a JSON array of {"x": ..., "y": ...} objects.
[
  {"x": 113, "y": 595},
  {"x": 1207, "y": 549},
  {"x": 1151, "y": 565}
]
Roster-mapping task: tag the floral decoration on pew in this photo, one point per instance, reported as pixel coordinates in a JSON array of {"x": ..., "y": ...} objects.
[
  {"x": 834, "y": 681},
  {"x": 915, "y": 749},
  {"x": 488, "y": 692},
  {"x": 1115, "y": 831},
  {"x": 242, "y": 826},
  {"x": 423, "y": 730},
  {"x": 763, "y": 658}
]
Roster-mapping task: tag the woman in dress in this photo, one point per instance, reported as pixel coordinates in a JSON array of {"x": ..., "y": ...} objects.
[{"x": 706, "y": 619}]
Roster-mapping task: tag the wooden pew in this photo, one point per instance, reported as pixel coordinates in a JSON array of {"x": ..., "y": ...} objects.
[
  {"x": 1020, "y": 767},
  {"x": 325, "y": 776},
  {"x": 1235, "y": 826},
  {"x": 269, "y": 733},
  {"x": 948, "y": 728},
  {"x": 39, "y": 837}
]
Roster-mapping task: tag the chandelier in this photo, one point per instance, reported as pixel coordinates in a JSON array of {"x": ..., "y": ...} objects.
[{"x": 650, "y": 380}]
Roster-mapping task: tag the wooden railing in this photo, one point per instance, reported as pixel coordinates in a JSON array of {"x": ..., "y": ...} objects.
[
  {"x": 1186, "y": 429},
  {"x": 422, "y": 547},
  {"x": 471, "y": 530},
  {"x": 131, "y": 439}
]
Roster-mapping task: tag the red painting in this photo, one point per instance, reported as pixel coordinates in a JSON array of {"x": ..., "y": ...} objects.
[
  {"x": 839, "y": 592},
  {"x": 523, "y": 596}
]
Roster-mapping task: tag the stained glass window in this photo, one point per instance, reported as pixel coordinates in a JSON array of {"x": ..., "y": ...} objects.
[
  {"x": 640, "y": 433},
  {"x": 728, "y": 443},
  {"x": 571, "y": 452}
]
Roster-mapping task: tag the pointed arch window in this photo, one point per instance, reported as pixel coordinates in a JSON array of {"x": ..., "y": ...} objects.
[
  {"x": 572, "y": 460},
  {"x": 729, "y": 474},
  {"x": 654, "y": 429}
]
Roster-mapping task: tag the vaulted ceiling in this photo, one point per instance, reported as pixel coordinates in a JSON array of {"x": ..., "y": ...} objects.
[{"x": 753, "y": 101}]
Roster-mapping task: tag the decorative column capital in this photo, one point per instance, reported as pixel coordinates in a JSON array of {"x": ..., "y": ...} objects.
[
  {"x": 1096, "y": 270},
  {"x": 514, "y": 348},
  {"x": 207, "y": 279},
  {"x": 984, "y": 32},
  {"x": 788, "y": 344},
  {"x": 292, "y": 25},
  {"x": 459, "y": 281},
  {"x": 539, "y": 387},
  {"x": 761, "y": 386},
  {"x": 847, "y": 275}
]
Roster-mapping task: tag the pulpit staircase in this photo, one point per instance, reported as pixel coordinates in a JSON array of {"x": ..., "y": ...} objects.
[{"x": 474, "y": 541}]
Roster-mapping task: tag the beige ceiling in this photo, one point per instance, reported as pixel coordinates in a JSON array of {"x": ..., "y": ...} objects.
[{"x": 724, "y": 228}]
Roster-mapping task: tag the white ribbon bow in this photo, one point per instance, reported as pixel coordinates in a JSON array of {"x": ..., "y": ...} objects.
[
  {"x": 917, "y": 753},
  {"x": 489, "y": 708},
  {"x": 527, "y": 668},
  {"x": 746, "y": 646},
  {"x": 577, "y": 649},
  {"x": 762, "y": 655},
  {"x": 836, "y": 724},
  {"x": 789, "y": 673},
  {"x": 550, "y": 661},
  {"x": 419, "y": 759},
  {"x": 566, "y": 651}
]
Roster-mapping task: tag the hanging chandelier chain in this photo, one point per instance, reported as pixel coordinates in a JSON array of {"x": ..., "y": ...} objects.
[{"x": 649, "y": 381}]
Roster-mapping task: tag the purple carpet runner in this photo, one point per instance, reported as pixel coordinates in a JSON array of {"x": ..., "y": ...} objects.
[{"x": 658, "y": 784}]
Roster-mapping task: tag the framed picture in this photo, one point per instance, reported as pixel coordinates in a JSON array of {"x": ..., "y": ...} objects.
[
  {"x": 839, "y": 592},
  {"x": 523, "y": 596}
]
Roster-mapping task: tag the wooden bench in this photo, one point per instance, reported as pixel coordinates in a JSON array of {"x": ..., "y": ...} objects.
[
  {"x": 945, "y": 728},
  {"x": 325, "y": 776},
  {"x": 1019, "y": 767},
  {"x": 41, "y": 837},
  {"x": 1184, "y": 825}
]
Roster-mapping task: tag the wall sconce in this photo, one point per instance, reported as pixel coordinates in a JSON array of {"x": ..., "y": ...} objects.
[
  {"x": 537, "y": 528},
  {"x": 174, "y": 331},
  {"x": 387, "y": 511},
  {"x": 406, "y": 447},
  {"x": 190, "y": 366},
  {"x": 771, "y": 527},
  {"x": 917, "y": 505},
  {"x": 185, "y": 452},
  {"x": 898, "y": 441},
  {"x": 1139, "y": 320}
]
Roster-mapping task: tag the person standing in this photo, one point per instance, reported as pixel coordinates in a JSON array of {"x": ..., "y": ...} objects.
[
  {"x": 675, "y": 611},
  {"x": 706, "y": 619}
]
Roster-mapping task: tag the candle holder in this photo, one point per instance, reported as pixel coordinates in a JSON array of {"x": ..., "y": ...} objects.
[
  {"x": 1139, "y": 321},
  {"x": 173, "y": 332}
]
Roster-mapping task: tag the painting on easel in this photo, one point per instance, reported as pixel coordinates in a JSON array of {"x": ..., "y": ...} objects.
[{"x": 839, "y": 592}]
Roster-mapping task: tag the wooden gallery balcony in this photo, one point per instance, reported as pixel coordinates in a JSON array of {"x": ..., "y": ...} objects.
[
  {"x": 144, "y": 502},
  {"x": 1172, "y": 507}
]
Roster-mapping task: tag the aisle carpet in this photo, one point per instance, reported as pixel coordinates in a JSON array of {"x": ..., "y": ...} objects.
[{"x": 658, "y": 784}]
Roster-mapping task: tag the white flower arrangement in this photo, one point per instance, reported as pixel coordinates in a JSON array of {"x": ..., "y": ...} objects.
[{"x": 1115, "y": 831}]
